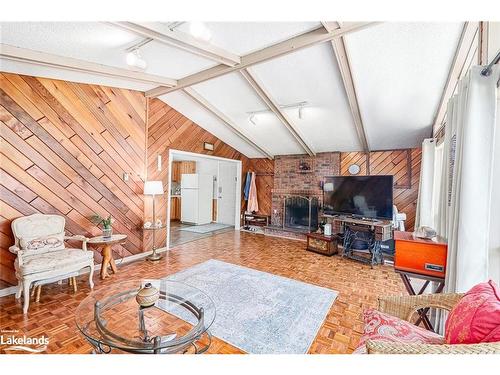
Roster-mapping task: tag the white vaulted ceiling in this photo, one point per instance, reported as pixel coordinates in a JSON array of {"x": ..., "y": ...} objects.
[{"x": 399, "y": 72}]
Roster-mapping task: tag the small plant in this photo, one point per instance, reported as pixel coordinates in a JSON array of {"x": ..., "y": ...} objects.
[{"x": 98, "y": 220}]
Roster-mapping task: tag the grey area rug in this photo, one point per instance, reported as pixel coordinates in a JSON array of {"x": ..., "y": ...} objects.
[
  {"x": 205, "y": 228},
  {"x": 259, "y": 312}
]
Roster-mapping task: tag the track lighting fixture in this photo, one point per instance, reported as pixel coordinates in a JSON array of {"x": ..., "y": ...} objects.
[
  {"x": 134, "y": 59},
  {"x": 300, "y": 106}
]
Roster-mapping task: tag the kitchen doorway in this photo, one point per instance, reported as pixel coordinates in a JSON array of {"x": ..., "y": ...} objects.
[{"x": 204, "y": 196}]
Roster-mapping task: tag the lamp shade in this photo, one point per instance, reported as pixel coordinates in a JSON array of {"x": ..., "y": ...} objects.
[{"x": 153, "y": 188}]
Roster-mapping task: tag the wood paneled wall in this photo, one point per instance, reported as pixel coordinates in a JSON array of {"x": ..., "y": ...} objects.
[
  {"x": 65, "y": 147},
  {"x": 169, "y": 129},
  {"x": 404, "y": 165},
  {"x": 264, "y": 180}
]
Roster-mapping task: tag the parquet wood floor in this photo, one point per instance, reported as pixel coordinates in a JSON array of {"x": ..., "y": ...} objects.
[{"x": 357, "y": 284}]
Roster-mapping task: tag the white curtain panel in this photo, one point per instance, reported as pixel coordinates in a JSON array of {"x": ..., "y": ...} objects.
[
  {"x": 470, "y": 145},
  {"x": 437, "y": 184},
  {"x": 494, "y": 258},
  {"x": 425, "y": 211}
]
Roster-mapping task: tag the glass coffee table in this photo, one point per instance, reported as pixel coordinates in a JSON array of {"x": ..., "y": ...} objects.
[{"x": 111, "y": 319}]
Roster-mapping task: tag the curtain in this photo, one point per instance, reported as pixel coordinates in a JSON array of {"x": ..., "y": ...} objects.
[
  {"x": 494, "y": 252},
  {"x": 425, "y": 211},
  {"x": 437, "y": 181},
  {"x": 466, "y": 190},
  {"x": 428, "y": 204}
]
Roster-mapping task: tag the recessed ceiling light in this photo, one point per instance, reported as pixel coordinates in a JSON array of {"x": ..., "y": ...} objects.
[{"x": 200, "y": 31}]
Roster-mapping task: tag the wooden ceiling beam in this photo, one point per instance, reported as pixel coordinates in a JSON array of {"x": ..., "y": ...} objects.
[
  {"x": 467, "y": 38},
  {"x": 275, "y": 108},
  {"x": 340, "y": 51},
  {"x": 482, "y": 55},
  {"x": 291, "y": 45},
  {"x": 227, "y": 121},
  {"x": 180, "y": 40},
  {"x": 46, "y": 59}
]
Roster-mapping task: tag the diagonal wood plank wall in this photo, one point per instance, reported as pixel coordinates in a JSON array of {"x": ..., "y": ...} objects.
[
  {"x": 65, "y": 147},
  {"x": 168, "y": 129},
  {"x": 404, "y": 165}
]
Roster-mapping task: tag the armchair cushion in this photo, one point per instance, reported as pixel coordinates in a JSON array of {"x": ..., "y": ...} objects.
[
  {"x": 387, "y": 328},
  {"x": 52, "y": 260},
  {"x": 42, "y": 244},
  {"x": 476, "y": 317}
]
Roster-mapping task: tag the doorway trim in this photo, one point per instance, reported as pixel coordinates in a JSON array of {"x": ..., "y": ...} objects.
[{"x": 171, "y": 153}]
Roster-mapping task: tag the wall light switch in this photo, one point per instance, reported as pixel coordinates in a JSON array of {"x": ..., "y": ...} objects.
[{"x": 158, "y": 162}]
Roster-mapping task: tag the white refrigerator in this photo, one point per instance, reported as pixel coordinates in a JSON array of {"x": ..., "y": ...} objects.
[{"x": 196, "y": 198}]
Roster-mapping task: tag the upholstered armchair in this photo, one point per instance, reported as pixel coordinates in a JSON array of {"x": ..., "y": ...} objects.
[{"x": 42, "y": 255}]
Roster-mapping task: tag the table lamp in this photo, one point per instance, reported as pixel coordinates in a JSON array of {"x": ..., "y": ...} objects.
[{"x": 153, "y": 188}]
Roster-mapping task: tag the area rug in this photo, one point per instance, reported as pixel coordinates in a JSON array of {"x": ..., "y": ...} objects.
[
  {"x": 205, "y": 228},
  {"x": 259, "y": 312}
]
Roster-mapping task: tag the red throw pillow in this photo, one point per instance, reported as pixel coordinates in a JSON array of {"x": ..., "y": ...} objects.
[{"x": 476, "y": 317}]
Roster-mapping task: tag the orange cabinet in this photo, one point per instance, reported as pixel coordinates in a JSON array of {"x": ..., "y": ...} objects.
[
  {"x": 175, "y": 208},
  {"x": 182, "y": 167},
  {"x": 419, "y": 255}
]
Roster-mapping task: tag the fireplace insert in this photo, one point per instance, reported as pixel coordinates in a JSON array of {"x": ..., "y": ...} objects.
[{"x": 301, "y": 213}]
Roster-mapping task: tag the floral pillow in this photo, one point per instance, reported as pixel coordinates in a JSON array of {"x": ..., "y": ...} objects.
[
  {"x": 387, "y": 328},
  {"x": 42, "y": 244}
]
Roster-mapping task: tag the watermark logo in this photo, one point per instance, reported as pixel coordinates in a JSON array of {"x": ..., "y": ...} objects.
[{"x": 12, "y": 341}]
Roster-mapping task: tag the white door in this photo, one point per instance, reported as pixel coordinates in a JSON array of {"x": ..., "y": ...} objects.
[{"x": 226, "y": 193}]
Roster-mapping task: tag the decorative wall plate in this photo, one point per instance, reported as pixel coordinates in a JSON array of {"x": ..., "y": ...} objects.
[{"x": 354, "y": 169}]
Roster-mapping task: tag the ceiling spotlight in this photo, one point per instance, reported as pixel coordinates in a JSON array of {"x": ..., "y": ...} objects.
[
  {"x": 200, "y": 31},
  {"x": 134, "y": 59}
]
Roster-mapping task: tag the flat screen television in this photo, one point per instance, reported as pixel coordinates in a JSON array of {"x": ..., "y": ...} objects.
[{"x": 360, "y": 196}]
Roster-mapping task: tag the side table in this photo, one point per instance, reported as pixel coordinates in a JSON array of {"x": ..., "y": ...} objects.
[
  {"x": 422, "y": 313},
  {"x": 107, "y": 255},
  {"x": 319, "y": 243},
  {"x": 154, "y": 257}
]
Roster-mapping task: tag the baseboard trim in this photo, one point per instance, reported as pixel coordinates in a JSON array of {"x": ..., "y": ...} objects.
[{"x": 132, "y": 258}]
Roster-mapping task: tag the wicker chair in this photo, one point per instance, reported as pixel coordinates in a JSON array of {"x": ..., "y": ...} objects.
[{"x": 404, "y": 307}]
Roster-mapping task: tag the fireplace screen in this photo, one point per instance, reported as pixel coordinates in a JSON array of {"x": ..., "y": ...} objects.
[{"x": 301, "y": 213}]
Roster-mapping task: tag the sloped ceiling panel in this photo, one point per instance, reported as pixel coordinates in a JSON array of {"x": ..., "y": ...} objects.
[
  {"x": 100, "y": 43},
  {"x": 312, "y": 75},
  {"x": 399, "y": 71},
  {"x": 232, "y": 95},
  {"x": 192, "y": 110}
]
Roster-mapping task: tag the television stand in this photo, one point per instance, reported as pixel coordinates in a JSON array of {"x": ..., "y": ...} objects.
[{"x": 351, "y": 228}]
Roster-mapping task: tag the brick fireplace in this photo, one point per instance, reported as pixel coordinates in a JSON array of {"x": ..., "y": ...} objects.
[{"x": 299, "y": 175}]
